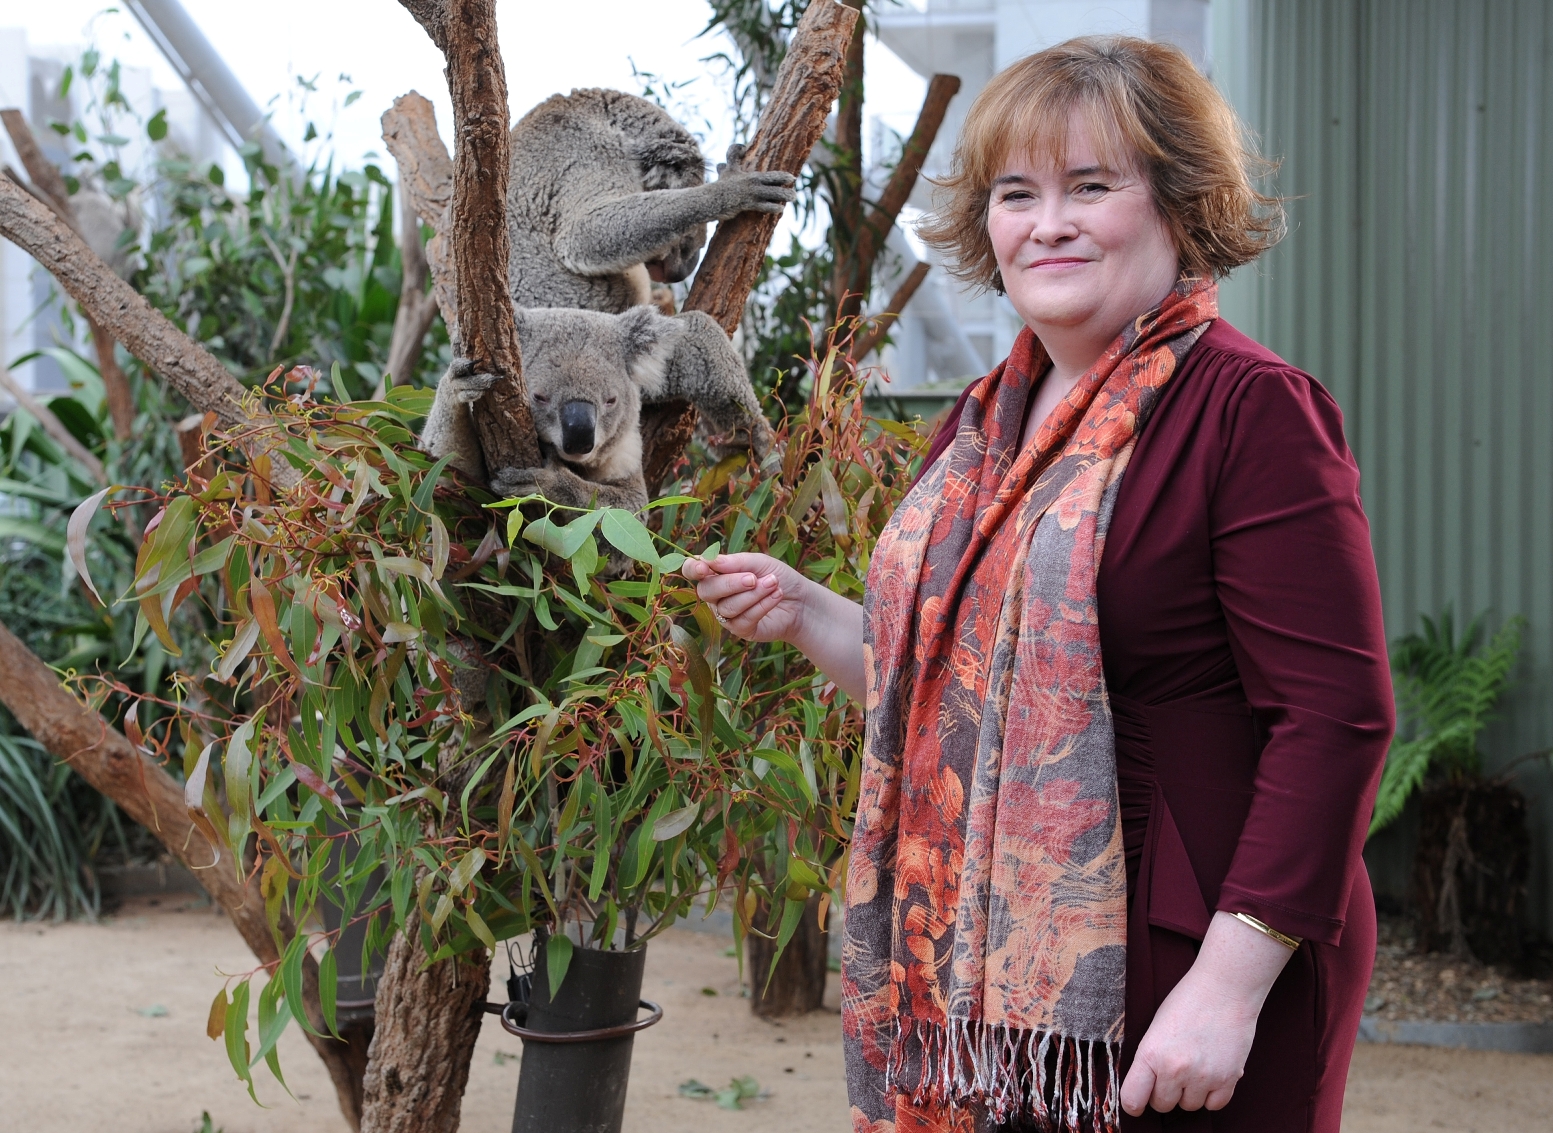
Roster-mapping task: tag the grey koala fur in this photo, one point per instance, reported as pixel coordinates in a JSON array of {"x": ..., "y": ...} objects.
[
  {"x": 588, "y": 374},
  {"x": 607, "y": 193}
]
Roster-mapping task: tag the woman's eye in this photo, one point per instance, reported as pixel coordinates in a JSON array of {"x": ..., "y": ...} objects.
[{"x": 1093, "y": 189}]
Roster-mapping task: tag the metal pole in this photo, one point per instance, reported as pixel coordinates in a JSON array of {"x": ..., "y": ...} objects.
[{"x": 208, "y": 78}]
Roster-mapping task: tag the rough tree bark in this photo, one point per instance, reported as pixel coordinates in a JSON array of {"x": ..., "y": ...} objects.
[
  {"x": 429, "y": 1019},
  {"x": 50, "y": 184},
  {"x": 846, "y": 214},
  {"x": 487, "y": 327},
  {"x": 798, "y": 984},
  {"x": 101, "y": 755},
  {"x": 118, "y": 308},
  {"x": 791, "y": 123}
]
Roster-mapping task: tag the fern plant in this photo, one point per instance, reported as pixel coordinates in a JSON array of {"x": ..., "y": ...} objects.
[{"x": 1446, "y": 689}]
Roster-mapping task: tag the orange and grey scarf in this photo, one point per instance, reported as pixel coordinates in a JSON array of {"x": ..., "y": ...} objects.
[{"x": 986, "y": 921}]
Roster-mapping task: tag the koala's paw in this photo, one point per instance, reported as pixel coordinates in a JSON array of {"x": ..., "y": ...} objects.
[
  {"x": 753, "y": 437},
  {"x": 510, "y": 482},
  {"x": 468, "y": 385},
  {"x": 768, "y": 191}
]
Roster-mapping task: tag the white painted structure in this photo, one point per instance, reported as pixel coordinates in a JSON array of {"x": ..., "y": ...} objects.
[{"x": 947, "y": 333}]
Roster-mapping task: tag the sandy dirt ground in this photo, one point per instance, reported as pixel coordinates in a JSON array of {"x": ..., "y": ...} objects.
[{"x": 102, "y": 1026}]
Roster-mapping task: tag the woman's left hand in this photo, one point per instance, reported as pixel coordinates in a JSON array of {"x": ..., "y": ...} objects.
[{"x": 1195, "y": 1050}]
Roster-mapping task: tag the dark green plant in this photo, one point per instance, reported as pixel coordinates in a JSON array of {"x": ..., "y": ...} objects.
[{"x": 1447, "y": 688}]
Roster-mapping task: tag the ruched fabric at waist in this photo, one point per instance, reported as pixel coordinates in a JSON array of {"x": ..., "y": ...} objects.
[{"x": 1195, "y": 758}]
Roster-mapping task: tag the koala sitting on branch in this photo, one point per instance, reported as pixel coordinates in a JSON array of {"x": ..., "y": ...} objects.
[
  {"x": 588, "y": 374},
  {"x": 608, "y": 194}
]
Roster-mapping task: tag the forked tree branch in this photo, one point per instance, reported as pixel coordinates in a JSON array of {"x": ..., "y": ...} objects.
[
  {"x": 425, "y": 189},
  {"x": 881, "y": 218}
]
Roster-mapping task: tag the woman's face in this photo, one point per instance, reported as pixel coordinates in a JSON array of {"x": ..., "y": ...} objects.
[{"x": 1082, "y": 249}]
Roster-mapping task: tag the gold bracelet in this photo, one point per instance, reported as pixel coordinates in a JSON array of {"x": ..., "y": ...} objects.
[{"x": 1292, "y": 943}]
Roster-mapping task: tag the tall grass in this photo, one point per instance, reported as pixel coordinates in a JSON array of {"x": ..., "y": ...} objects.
[{"x": 51, "y": 827}]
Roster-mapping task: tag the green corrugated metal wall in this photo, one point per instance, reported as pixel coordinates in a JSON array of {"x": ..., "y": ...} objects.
[{"x": 1417, "y": 283}]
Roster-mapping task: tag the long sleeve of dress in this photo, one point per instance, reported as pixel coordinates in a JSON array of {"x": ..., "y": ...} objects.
[{"x": 1296, "y": 580}]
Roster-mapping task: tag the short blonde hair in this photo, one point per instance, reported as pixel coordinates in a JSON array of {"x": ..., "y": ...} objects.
[{"x": 1149, "y": 109}]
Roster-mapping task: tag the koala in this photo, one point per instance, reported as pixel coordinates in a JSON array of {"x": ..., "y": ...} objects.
[
  {"x": 588, "y": 374},
  {"x": 608, "y": 195}
]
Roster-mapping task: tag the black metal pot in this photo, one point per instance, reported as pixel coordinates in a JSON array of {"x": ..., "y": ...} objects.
[
  {"x": 357, "y": 987},
  {"x": 577, "y": 1045}
]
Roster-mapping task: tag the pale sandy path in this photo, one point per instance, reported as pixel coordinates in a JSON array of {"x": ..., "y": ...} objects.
[{"x": 75, "y": 1053}]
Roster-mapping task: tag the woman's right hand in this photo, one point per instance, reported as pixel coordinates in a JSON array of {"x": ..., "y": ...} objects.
[{"x": 753, "y": 595}]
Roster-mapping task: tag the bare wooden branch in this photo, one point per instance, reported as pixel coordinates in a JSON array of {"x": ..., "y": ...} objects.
[
  {"x": 417, "y": 309},
  {"x": 487, "y": 327},
  {"x": 53, "y": 426},
  {"x": 881, "y": 218},
  {"x": 846, "y": 174},
  {"x": 792, "y": 121},
  {"x": 424, "y": 1012},
  {"x": 101, "y": 755},
  {"x": 867, "y": 343},
  {"x": 426, "y": 187},
  {"x": 118, "y": 308}
]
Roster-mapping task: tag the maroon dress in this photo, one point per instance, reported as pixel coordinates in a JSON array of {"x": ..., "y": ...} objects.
[{"x": 1246, "y": 663}]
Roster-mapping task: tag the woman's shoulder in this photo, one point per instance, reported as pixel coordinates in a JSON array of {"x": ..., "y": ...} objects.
[{"x": 1236, "y": 374}]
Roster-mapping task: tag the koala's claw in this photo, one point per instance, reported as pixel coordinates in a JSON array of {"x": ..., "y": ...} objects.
[{"x": 468, "y": 386}]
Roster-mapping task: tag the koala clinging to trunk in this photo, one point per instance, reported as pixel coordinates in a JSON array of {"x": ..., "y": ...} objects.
[
  {"x": 588, "y": 374},
  {"x": 608, "y": 193}
]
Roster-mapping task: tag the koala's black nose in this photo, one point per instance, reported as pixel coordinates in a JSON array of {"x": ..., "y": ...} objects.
[{"x": 578, "y": 419}]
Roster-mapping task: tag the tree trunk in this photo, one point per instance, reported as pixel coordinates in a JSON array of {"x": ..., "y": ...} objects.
[
  {"x": 487, "y": 327},
  {"x": 420, "y": 1055},
  {"x": 798, "y": 984},
  {"x": 100, "y": 754},
  {"x": 791, "y": 123}
]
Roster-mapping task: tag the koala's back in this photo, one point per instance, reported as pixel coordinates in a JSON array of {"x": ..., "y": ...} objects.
[{"x": 569, "y": 153}]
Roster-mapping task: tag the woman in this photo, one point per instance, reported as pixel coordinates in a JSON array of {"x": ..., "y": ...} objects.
[{"x": 1106, "y": 870}]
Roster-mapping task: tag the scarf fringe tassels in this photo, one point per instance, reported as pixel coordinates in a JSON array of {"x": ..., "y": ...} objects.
[{"x": 1036, "y": 1080}]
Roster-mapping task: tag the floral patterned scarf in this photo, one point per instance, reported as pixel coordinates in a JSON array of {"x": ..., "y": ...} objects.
[{"x": 985, "y": 956}]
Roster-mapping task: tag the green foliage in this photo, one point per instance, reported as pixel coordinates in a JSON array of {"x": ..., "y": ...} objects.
[
  {"x": 487, "y": 705},
  {"x": 50, "y": 826},
  {"x": 290, "y": 272},
  {"x": 1447, "y": 689}
]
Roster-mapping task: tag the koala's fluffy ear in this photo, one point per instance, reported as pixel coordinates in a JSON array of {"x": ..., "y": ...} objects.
[{"x": 648, "y": 338}]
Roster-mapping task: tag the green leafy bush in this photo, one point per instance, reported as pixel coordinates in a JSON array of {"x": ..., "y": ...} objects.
[
  {"x": 517, "y": 733},
  {"x": 1447, "y": 689}
]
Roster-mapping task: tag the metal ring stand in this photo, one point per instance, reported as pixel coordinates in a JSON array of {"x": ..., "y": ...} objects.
[{"x": 511, "y": 1025}]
